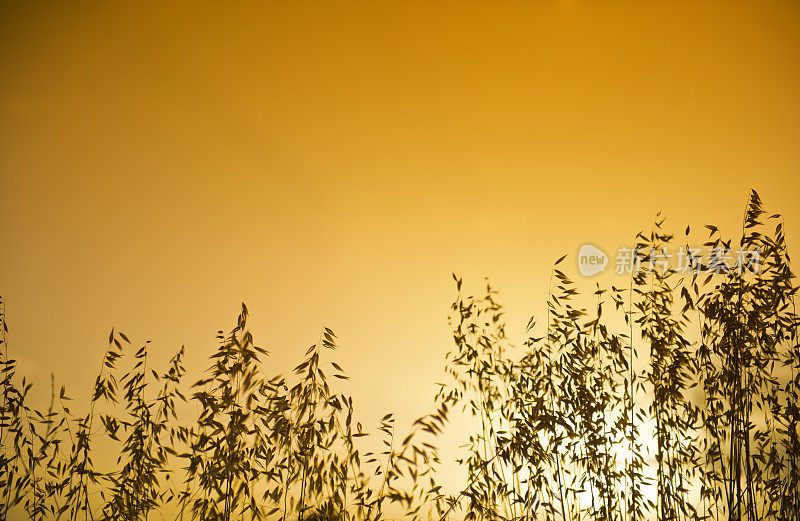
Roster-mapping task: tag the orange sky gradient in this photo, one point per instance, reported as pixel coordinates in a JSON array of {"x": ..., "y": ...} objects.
[{"x": 331, "y": 163}]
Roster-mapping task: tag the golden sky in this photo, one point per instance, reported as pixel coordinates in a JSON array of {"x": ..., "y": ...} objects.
[{"x": 331, "y": 163}]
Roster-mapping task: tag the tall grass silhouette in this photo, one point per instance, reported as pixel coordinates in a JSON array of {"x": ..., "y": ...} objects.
[{"x": 674, "y": 397}]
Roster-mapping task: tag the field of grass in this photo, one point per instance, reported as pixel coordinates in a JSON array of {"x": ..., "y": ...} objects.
[{"x": 674, "y": 397}]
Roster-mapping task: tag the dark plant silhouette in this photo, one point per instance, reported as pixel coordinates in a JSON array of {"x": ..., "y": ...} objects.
[{"x": 674, "y": 397}]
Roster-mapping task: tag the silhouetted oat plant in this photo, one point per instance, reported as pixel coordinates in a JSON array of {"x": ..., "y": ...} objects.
[
  {"x": 145, "y": 436},
  {"x": 564, "y": 424},
  {"x": 671, "y": 374},
  {"x": 220, "y": 463},
  {"x": 480, "y": 369},
  {"x": 606, "y": 400},
  {"x": 287, "y": 447},
  {"x": 14, "y": 477},
  {"x": 749, "y": 358}
]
